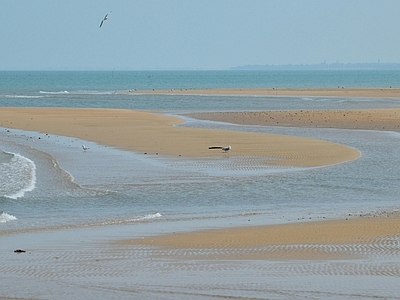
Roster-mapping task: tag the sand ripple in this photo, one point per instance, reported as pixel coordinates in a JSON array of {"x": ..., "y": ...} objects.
[
  {"x": 348, "y": 271},
  {"x": 232, "y": 165},
  {"x": 380, "y": 258}
]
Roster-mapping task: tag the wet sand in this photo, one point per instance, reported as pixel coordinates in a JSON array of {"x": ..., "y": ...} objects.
[
  {"x": 304, "y": 240},
  {"x": 337, "y": 234},
  {"x": 145, "y": 131},
  {"x": 355, "y": 258}
]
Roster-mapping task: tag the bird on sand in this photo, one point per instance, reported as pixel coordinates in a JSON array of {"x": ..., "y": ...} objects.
[
  {"x": 225, "y": 149},
  {"x": 104, "y": 19}
]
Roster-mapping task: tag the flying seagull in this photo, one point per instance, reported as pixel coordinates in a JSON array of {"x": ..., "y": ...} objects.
[
  {"x": 104, "y": 19},
  {"x": 225, "y": 149},
  {"x": 85, "y": 148}
]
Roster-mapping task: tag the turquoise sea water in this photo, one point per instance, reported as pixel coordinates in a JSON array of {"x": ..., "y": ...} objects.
[{"x": 52, "y": 193}]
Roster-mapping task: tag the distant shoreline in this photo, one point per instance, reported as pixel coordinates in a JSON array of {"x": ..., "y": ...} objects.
[{"x": 388, "y": 92}]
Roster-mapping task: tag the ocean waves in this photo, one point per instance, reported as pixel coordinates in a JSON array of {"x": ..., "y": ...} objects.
[
  {"x": 23, "y": 96},
  {"x": 18, "y": 175},
  {"x": 77, "y": 92},
  {"x": 54, "y": 93},
  {"x": 51, "y": 95},
  {"x": 5, "y": 217},
  {"x": 136, "y": 219}
]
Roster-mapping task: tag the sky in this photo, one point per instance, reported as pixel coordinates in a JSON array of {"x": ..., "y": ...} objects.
[{"x": 195, "y": 34}]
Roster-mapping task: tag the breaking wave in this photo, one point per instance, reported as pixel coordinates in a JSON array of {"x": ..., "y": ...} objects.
[
  {"x": 54, "y": 93},
  {"x": 23, "y": 96},
  {"x": 5, "y": 217},
  {"x": 18, "y": 175}
]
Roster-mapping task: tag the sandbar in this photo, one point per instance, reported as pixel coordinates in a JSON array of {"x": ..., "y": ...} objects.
[
  {"x": 387, "y": 119},
  {"x": 312, "y": 92},
  {"x": 300, "y": 240},
  {"x": 151, "y": 133}
]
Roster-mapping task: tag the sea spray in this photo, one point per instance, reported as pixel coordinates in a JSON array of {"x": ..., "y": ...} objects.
[{"x": 17, "y": 176}]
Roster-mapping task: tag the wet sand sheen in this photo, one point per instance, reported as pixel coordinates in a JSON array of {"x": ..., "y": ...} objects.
[{"x": 336, "y": 239}]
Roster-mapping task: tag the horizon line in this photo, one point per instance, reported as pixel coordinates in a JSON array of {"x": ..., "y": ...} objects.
[{"x": 250, "y": 67}]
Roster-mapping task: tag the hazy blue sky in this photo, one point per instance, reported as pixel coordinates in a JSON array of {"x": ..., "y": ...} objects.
[{"x": 195, "y": 34}]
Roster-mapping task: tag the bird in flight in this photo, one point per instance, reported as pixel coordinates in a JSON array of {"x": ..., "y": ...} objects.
[{"x": 104, "y": 19}]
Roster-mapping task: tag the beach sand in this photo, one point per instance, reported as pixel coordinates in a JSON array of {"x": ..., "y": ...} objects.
[
  {"x": 315, "y": 92},
  {"x": 370, "y": 119},
  {"x": 153, "y": 133},
  {"x": 304, "y": 240}
]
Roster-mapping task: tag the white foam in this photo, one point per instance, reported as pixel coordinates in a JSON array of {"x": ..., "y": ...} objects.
[
  {"x": 51, "y": 93},
  {"x": 94, "y": 92},
  {"x": 5, "y": 217},
  {"x": 23, "y": 96},
  {"x": 18, "y": 176},
  {"x": 127, "y": 221},
  {"x": 146, "y": 217}
]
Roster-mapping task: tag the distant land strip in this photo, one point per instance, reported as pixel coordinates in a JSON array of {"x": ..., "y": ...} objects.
[{"x": 322, "y": 66}]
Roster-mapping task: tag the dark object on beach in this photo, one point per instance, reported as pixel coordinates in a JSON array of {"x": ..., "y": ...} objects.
[
  {"x": 225, "y": 149},
  {"x": 19, "y": 251}
]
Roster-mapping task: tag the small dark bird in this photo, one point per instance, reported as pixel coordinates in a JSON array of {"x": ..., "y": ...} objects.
[
  {"x": 225, "y": 149},
  {"x": 19, "y": 251}
]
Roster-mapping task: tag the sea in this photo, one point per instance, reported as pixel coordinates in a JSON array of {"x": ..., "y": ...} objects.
[{"x": 58, "y": 201}]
